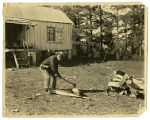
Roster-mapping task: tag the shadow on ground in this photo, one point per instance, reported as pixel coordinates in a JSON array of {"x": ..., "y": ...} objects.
[{"x": 92, "y": 91}]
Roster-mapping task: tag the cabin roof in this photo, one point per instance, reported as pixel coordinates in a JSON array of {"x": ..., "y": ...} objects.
[{"x": 35, "y": 12}]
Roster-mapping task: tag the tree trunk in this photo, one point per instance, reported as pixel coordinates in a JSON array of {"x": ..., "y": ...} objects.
[
  {"x": 140, "y": 50},
  {"x": 117, "y": 55},
  {"x": 126, "y": 45},
  {"x": 117, "y": 24},
  {"x": 100, "y": 17}
]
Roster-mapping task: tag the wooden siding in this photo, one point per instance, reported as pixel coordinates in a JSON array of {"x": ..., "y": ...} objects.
[{"x": 37, "y": 36}]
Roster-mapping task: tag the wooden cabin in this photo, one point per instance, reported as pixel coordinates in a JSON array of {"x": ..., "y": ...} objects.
[{"x": 35, "y": 29}]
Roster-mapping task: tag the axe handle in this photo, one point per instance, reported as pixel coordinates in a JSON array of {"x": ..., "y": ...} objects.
[{"x": 69, "y": 82}]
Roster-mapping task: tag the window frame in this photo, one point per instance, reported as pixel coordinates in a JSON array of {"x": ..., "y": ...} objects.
[{"x": 48, "y": 35}]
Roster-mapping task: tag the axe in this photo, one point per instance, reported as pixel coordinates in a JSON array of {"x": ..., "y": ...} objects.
[
  {"x": 74, "y": 89},
  {"x": 74, "y": 85}
]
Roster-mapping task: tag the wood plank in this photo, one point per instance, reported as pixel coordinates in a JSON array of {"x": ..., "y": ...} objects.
[
  {"x": 18, "y": 50},
  {"x": 71, "y": 36},
  {"x": 17, "y": 65}
]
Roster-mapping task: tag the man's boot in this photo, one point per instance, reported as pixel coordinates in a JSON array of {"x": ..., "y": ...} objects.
[
  {"x": 46, "y": 90},
  {"x": 50, "y": 91}
]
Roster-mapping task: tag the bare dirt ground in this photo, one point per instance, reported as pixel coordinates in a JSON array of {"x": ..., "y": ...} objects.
[{"x": 22, "y": 86}]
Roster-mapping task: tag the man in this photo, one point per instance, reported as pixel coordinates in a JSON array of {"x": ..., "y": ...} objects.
[{"x": 49, "y": 69}]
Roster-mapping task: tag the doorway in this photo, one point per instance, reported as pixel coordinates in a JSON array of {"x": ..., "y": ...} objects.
[{"x": 14, "y": 35}]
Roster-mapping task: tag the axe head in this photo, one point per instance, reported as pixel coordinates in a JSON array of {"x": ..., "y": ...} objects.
[{"x": 76, "y": 91}]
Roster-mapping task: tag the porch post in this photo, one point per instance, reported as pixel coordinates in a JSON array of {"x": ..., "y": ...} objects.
[{"x": 17, "y": 65}]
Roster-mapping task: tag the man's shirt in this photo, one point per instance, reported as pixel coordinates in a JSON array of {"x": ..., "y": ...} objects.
[{"x": 52, "y": 62}]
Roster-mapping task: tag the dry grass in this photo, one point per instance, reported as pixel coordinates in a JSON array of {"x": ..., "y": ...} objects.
[{"x": 22, "y": 84}]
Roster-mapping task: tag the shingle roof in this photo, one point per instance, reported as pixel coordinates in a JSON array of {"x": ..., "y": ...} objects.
[{"x": 35, "y": 12}]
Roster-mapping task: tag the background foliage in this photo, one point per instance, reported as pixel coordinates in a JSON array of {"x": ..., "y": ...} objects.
[{"x": 116, "y": 30}]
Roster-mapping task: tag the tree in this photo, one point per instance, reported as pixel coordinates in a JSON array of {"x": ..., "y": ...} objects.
[
  {"x": 117, "y": 30},
  {"x": 136, "y": 17},
  {"x": 75, "y": 14}
]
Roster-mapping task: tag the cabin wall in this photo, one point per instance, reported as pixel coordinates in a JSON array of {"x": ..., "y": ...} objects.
[{"x": 37, "y": 36}]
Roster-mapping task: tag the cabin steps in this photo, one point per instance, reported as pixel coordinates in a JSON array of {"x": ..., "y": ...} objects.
[{"x": 21, "y": 59}]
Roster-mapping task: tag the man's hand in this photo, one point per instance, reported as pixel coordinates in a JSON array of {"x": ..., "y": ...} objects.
[{"x": 44, "y": 66}]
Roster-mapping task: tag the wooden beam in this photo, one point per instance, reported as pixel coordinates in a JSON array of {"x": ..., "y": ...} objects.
[
  {"x": 15, "y": 58},
  {"x": 18, "y": 50}
]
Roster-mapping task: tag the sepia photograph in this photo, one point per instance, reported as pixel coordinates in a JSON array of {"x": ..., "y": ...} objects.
[{"x": 74, "y": 59}]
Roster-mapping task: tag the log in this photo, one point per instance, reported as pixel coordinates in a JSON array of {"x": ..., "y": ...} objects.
[{"x": 66, "y": 93}]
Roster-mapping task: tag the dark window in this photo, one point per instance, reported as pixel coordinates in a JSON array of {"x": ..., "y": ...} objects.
[{"x": 50, "y": 33}]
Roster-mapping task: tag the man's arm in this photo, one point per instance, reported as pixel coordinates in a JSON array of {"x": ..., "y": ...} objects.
[
  {"x": 54, "y": 67},
  {"x": 56, "y": 71}
]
